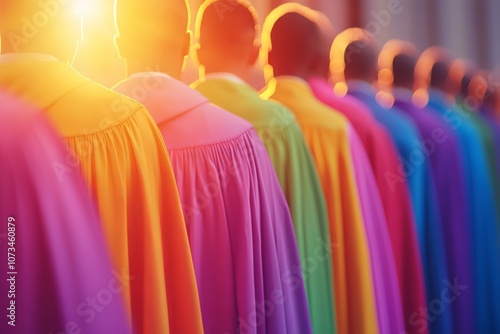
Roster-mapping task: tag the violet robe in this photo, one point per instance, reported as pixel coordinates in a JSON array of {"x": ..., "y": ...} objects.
[
  {"x": 61, "y": 258},
  {"x": 441, "y": 146},
  {"x": 240, "y": 231},
  {"x": 295, "y": 168},
  {"x": 483, "y": 228}
]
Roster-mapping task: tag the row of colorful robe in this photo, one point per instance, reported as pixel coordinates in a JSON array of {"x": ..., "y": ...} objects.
[{"x": 292, "y": 211}]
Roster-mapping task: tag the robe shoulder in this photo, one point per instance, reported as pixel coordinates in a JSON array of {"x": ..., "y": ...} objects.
[
  {"x": 126, "y": 166},
  {"x": 294, "y": 166},
  {"x": 232, "y": 201},
  {"x": 55, "y": 224},
  {"x": 243, "y": 101}
]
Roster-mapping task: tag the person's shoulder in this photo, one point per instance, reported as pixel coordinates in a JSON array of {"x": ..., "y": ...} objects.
[
  {"x": 95, "y": 108},
  {"x": 206, "y": 125},
  {"x": 326, "y": 118}
]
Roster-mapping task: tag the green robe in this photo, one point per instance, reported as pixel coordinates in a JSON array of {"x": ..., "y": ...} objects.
[
  {"x": 488, "y": 140},
  {"x": 294, "y": 165}
]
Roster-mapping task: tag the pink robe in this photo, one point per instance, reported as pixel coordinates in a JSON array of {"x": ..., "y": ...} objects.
[
  {"x": 240, "y": 231},
  {"x": 385, "y": 278}
]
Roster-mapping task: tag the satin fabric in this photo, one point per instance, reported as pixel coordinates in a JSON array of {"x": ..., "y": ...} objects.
[
  {"x": 385, "y": 278},
  {"x": 395, "y": 197},
  {"x": 240, "y": 231},
  {"x": 327, "y": 136},
  {"x": 125, "y": 164},
  {"x": 60, "y": 255},
  {"x": 482, "y": 214},
  {"x": 494, "y": 125},
  {"x": 416, "y": 171},
  {"x": 487, "y": 136},
  {"x": 294, "y": 165},
  {"x": 441, "y": 146}
]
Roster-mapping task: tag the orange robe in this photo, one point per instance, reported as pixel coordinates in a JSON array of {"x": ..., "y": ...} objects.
[
  {"x": 327, "y": 135},
  {"x": 123, "y": 158}
]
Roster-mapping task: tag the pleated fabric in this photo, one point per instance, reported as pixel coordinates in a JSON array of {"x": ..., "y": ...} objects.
[
  {"x": 415, "y": 170},
  {"x": 483, "y": 226},
  {"x": 60, "y": 257},
  {"x": 240, "y": 230},
  {"x": 294, "y": 166},
  {"x": 124, "y": 161},
  {"x": 327, "y": 136},
  {"x": 395, "y": 197},
  {"x": 441, "y": 146}
]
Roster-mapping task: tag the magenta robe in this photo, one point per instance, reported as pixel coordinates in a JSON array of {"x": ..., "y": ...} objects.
[
  {"x": 240, "y": 230},
  {"x": 64, "y": 281},
  {"x": 382, "y": 155}
]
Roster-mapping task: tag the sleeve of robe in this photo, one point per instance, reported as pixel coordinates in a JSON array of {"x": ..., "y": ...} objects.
[
  {"x": 60, "y": 253},
  {"x": 395, "y": 197},
  {"x": 294, "y": 166},
  {"x": 123, "y": 158},
  {"x": 385, "y": 279}
]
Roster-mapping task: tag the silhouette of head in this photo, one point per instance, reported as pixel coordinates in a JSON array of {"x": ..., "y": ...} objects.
[
  {"x": 354, "y": 55},
  {"x": 226, "y": 31},
  {"x": 291, "y": 40},
  {"x": 153, "y": 32},
  {"x": 433, "y": 69}
]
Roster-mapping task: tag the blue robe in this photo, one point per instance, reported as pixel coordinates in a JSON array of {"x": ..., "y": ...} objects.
[
  {"x": 442, "y": 148},
  {"x": 482, "y": 215},
  {"x": 415, "y": 170}
]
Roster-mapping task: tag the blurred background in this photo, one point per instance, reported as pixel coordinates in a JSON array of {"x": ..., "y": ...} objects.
[{"x": 469, "y": 28}]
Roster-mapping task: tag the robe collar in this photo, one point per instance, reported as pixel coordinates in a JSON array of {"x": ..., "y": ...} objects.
[
  {"x": 361, "y": 86},
  {"x": 320, "y": 82},
  {"x": 289, "y": 85},
  {"x": 166, "y": 98},
  {"x": 225, "y": 76},
  {"x": 25, "y": 57},
  {"x": 38, "y": 79},
  {"x": 402, "y": 94}
]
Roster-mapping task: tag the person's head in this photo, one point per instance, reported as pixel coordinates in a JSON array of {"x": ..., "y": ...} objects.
[
  {"x": 397, "y": 62},
  {"x": 433, "y": 68},
  {"x": 291, "y": 39},
  {"x": 227, "y": 34},
  {"x": 321, "y": 67},
  {"x": 354, "y": 55},
  {"x": 52, "y": 27},
  {"x": 153, "y": 35}
]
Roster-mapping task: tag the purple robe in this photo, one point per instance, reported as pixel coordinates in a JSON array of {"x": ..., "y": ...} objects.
[
  {"x": 240, "y": 231},
  {"x": 64, "y": 281},
  {"x": 441, "y": 146}
]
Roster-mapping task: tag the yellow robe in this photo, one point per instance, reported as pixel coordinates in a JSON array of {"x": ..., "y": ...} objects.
[
  {"x": 326, "y": 132},
  {"x": 121, "y": 153}
]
